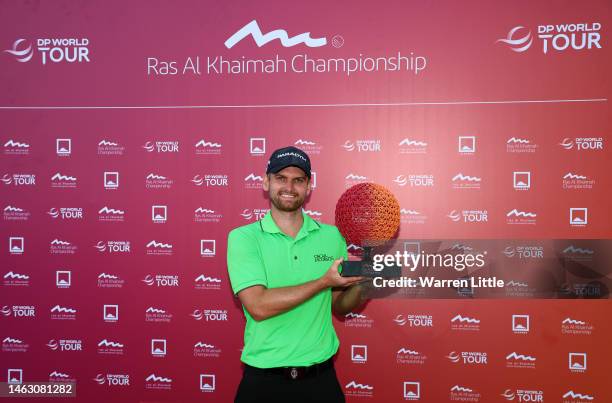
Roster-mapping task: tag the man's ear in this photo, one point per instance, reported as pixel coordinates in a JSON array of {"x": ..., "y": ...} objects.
[
  {"x": 266, "y": 182},
  {"x": 309, "y": 187}
]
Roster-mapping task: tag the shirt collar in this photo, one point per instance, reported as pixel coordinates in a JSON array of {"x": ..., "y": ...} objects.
[{"x": 268, "y": 225}]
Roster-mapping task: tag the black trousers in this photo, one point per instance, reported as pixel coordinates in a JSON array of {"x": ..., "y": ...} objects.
[{"x": 258, "y": 387}]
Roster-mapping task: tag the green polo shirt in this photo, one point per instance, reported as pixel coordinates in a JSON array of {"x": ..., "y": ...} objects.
[{"x": 259, "y": 253}]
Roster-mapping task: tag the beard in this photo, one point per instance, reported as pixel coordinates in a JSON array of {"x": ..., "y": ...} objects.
[{"x": 286, "y": 205}]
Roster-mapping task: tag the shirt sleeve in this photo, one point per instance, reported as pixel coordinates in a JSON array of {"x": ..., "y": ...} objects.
[{"x": 244, "y": 264}]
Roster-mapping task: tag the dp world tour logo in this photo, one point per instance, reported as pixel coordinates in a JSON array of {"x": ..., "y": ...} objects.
[
  {"x": 555, "y": 37},
  {"x": 22, "y": 51},
  {"x": 518, "y": 42},
  {"x": 252, "y": 29},
  {"x": 54, "y": 50}
]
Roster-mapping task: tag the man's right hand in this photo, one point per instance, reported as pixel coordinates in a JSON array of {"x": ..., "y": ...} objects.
[{"x": 332, "y": 277}]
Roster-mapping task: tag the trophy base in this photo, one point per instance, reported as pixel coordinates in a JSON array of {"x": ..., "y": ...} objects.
[{"x": 354, "y": 268}]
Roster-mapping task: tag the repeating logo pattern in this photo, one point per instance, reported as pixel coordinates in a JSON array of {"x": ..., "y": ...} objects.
[{"x": 113, "y": 233}]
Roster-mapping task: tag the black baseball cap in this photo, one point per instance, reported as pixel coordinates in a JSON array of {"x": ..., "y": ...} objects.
[{"x": 288, "y": 157}]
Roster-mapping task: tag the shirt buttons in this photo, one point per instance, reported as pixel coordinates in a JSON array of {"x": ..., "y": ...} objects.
[{"x": 295, "y": 257}]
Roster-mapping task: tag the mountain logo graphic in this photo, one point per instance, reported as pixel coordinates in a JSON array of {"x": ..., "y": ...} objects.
[{"x": 252, "y": 29}]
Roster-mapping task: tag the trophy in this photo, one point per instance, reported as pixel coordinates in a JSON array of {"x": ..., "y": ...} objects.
[{"x": 368, "y": 216}]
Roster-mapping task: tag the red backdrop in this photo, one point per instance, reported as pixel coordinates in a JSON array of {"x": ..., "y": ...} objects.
[{"x": 84, "y": 72}]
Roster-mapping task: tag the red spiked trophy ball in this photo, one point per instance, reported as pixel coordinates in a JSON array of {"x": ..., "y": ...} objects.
[{"x": 367, "y": 215}]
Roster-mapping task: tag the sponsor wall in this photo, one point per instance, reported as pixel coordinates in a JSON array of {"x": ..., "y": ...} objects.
[{"x": 134, "y": 137}]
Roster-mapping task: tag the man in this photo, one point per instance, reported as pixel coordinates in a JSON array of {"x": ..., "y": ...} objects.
[{"x": 283, "y": 269}]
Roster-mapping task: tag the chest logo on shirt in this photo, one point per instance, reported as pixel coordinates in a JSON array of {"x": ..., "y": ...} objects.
[{"x": 323, "y": 258}]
